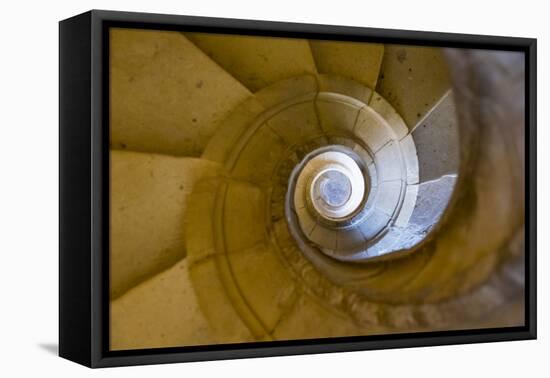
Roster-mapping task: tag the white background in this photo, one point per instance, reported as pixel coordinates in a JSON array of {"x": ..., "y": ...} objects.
[{"x": 29, "y": 186}]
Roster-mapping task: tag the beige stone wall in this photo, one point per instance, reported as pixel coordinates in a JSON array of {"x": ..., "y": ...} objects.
[{"x": 205, "y": 133}]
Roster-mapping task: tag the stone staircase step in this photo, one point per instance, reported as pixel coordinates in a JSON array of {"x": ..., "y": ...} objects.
[
  {"x": 257, "y": 62},
  {"x": 167, "y": 96}
]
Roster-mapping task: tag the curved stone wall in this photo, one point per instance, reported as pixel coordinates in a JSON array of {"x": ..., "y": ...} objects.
[{"x": 221, "y": 240}]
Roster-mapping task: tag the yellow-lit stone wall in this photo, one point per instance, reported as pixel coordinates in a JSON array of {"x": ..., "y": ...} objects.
[{"x": 206, "y": 130}]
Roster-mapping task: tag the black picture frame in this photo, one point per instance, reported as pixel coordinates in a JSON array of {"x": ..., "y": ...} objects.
[{"x": 84, "y": 189}]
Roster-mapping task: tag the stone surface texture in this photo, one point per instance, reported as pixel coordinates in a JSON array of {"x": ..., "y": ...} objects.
[
  {"x": 413, "y": 79},
  {"x": 167, "y": 96},
  {"x": 257, "y": 62},
  {"x": 149, "y": 199},
  {"x": 210, "y": 250}
]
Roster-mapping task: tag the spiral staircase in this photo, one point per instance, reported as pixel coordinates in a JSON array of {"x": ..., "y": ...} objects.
[{"x": 275, "y": 189}]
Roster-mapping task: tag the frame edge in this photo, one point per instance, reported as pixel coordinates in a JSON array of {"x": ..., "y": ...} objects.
[{"x": 75, "y": 334}]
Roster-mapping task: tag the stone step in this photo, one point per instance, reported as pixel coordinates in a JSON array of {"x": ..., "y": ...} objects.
[
  {"x": 167, "y": 96},
  {"x": 356, "y": 61},
  {"x": 149, "y": 196},
  {"x": 413, "y": 79},
  {"x": 257, "y": 62},
  {"x": 161, "y": 312}
]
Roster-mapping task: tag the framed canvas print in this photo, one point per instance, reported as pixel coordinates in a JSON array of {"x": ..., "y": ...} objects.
[{"x": 234, "y": 188}]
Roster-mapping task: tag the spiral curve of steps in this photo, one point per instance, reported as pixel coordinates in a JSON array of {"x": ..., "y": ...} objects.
[{"x": 215, "y": 238}]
